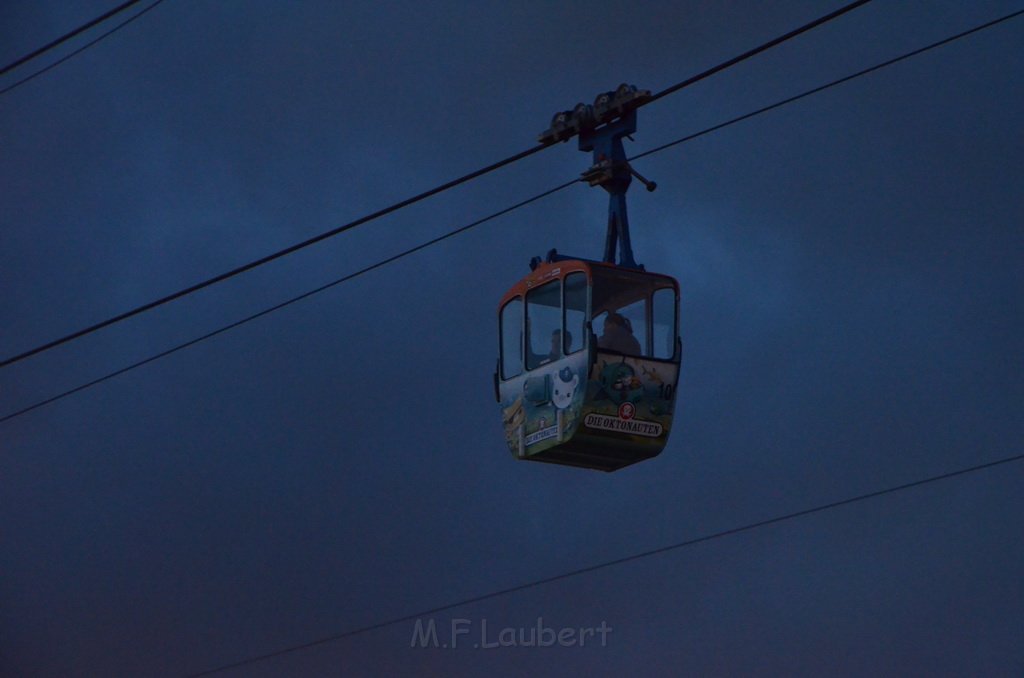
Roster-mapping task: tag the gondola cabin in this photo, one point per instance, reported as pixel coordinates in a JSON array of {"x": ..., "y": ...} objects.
[{"x": 588, "y": 363}]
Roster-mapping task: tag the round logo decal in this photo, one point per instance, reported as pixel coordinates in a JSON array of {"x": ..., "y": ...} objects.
[{"x": 626, "y": 411}]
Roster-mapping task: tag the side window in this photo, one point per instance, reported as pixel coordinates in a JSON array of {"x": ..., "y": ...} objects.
[
  {"x": 623, "y": 330},
  {"x": 512, "y": 338},
  {"x": 664, "y": 322},
  {"x": 575, "y": 312},
  {"x": 634, "y": 313},
  {"x": 543, "y": 324}
]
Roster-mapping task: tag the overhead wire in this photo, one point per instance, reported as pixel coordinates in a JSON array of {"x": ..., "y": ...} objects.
[
  {"x": 822, "y": 88},
  {"x": 289, "y": 302},
  {"x": 606, "y": 564},
  {"x": 522, "y": 203},
  {"x": 404, "y": 203},
  {"x": 67, "y": 36},
  {"x": 565, "y": 575},
  {"x": 599, "y": 566},
  {"x": 270, "y": 257},
  {"x": 755, "y": 51},
  {"x": 81, "y": 49}
]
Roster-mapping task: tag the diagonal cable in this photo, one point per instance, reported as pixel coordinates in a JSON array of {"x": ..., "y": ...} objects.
[
  {"x": 67, "y": 36},
  {"x": 658, "y": 149},
  {"x": 404, "y": 203},
  {"x": 822, "y": 88},
  {"x": 757, "y": 50},
  {"x": 81, "y": 49},
  {"x": 610, "y": 563},
  {"x": 288, "y": 302},
  {"x": 270, "y": 257}
]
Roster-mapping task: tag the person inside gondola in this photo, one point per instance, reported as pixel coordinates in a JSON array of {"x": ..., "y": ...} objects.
[
  {"x": 556, "y": 344},
  {"x": 618, "y": 335}
]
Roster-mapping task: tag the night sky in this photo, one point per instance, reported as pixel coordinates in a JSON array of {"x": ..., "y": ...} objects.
[{"x": 850, "y": 280}]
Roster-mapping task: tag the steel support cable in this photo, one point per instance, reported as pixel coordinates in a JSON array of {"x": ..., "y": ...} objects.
[
  {"x": 601, "y": 566},
  {"x": 658, "y": 149},
  {"x": 81, "y": 49},
  {"x": 757, "y": 50},
  {"x": 270, "y": 257},
  {"x": 404, "y": 203},
  {"x": 67, "y": 36},
  {"x": 822, "y": 88},
  {"x": 288, "y": 302}
]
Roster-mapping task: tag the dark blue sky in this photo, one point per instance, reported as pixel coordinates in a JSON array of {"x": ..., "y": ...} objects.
[{"x": 851, "y": 319}]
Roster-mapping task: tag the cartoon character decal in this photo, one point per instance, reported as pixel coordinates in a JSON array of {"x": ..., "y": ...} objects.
[
  {"x": 619, "y": 383},
  {"x": 563, "y": 387},
  {"x": 625, "y": 399}
]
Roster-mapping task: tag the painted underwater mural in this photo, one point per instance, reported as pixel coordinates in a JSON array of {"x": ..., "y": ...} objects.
[{"x": 628, "y": 398}]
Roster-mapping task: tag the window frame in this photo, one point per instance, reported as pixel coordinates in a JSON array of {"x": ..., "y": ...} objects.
[
  {"x": 655, "y": 284},
  {"x": 528, "y": 325},
  {"x": 675, "y": 322},
  {"x": 521, "y": 362},
  {"x": 586, "y": 313}
]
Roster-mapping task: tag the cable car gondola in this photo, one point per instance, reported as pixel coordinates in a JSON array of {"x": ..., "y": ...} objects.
[{"x": 589, "y": 350}]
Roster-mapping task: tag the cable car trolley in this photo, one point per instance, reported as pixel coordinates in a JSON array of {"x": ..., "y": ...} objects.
[{"x": 589, "y": 350}]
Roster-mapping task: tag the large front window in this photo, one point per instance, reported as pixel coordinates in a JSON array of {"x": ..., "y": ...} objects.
[
  {"x": 575, "y": 312},
  {"x": 543, "y": 324},
  {"x": 633, "y": 313}
]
